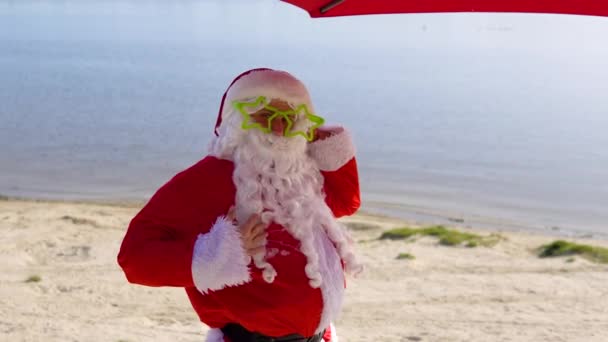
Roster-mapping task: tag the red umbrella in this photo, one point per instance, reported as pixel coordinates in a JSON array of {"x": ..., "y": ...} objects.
[{"x": 335, "y": 8}]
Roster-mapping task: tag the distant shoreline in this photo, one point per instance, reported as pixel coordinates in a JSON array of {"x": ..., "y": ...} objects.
[
  {"x": 126, "y": 203},
  {"x": 410, "y": 215},
  {"x": 433, "y": 216}
]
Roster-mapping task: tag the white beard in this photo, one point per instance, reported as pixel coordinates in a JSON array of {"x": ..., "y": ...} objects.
[{"x": 275, "y": 178}]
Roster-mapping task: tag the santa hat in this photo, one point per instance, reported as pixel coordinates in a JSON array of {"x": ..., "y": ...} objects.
[{"x": 273, "y": 84}]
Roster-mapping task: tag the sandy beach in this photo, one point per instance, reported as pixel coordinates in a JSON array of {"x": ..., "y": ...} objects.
[{"x": 77, "y": 292}]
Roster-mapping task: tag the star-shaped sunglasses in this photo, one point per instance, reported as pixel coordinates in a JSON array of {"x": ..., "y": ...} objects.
[{"x": 261, "y": 104}]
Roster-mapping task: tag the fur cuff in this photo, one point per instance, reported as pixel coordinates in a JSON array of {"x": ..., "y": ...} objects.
[
  {"x": 334, "y": 151},
  {"x": 219, "y": 259}
]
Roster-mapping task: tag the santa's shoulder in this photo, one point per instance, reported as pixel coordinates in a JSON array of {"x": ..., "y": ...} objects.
[
  {"x": 212, "y": 164},
  {"x": 207, "y": 172}
]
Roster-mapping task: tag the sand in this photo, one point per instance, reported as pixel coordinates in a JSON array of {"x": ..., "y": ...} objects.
[{"x": 502, "y": 293}]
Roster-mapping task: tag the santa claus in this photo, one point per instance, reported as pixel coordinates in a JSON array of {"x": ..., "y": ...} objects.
[{"x": 250, "y": 231}]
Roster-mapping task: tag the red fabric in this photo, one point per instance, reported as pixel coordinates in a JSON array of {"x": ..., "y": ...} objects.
[
  {"x": 157, "y": 249},
  {"x": 359, "y": 7},
  {"x": 158, "y": 246},
  {"x": 342, "y": 203},
  {"x": 327, "y": 335},
  {"x": 219, "y": 115}
]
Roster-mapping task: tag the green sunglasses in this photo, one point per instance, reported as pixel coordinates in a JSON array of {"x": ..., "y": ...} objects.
[{"x": 247, "y": 108}]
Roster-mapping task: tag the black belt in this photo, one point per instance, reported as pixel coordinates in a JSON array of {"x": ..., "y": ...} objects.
[{"x": 237, "y": 333}]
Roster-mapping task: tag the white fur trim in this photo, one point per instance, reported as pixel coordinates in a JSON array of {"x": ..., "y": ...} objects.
[
  {"x": 273, "y": 84},
  {"x": 332, "y": 286},
  {"x": 216, "y": 335},
  {"x": 219, "y": 259},
  {"x": 334, "y": 151},
  {"x": 334, "y": 334}
]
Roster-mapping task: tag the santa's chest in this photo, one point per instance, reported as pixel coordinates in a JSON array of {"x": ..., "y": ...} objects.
[{"x": 284, "y": 254}]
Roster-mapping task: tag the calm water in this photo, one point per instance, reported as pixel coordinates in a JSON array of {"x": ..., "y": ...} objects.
[{"x": 500, "y": 120}]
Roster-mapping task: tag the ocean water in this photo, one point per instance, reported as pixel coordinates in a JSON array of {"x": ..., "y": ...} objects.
[{"x": 490, "y": 120}]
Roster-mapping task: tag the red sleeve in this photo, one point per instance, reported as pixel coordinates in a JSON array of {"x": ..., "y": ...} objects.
[
  {"x": 157, "y": 248},
  {"x": 341, "y": 187}
]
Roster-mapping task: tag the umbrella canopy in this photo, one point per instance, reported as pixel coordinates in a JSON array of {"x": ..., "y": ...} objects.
[{"x": 334, "y": 8}]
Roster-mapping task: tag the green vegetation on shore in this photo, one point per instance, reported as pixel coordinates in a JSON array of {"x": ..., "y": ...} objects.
[
  {"x": 562, "y": 248},
  {"x": 447, "y": 237},
  {"x": 407, "y": 256},
  {"x": 33, "y": 279}
]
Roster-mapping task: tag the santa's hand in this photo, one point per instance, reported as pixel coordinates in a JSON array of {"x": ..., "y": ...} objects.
[
  {"x": 321, "y": 133},
  {"x": 253, "y": 235}
]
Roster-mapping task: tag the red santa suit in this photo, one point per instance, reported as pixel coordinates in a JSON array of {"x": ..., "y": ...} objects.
[{"x": 182, "y": 238}]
